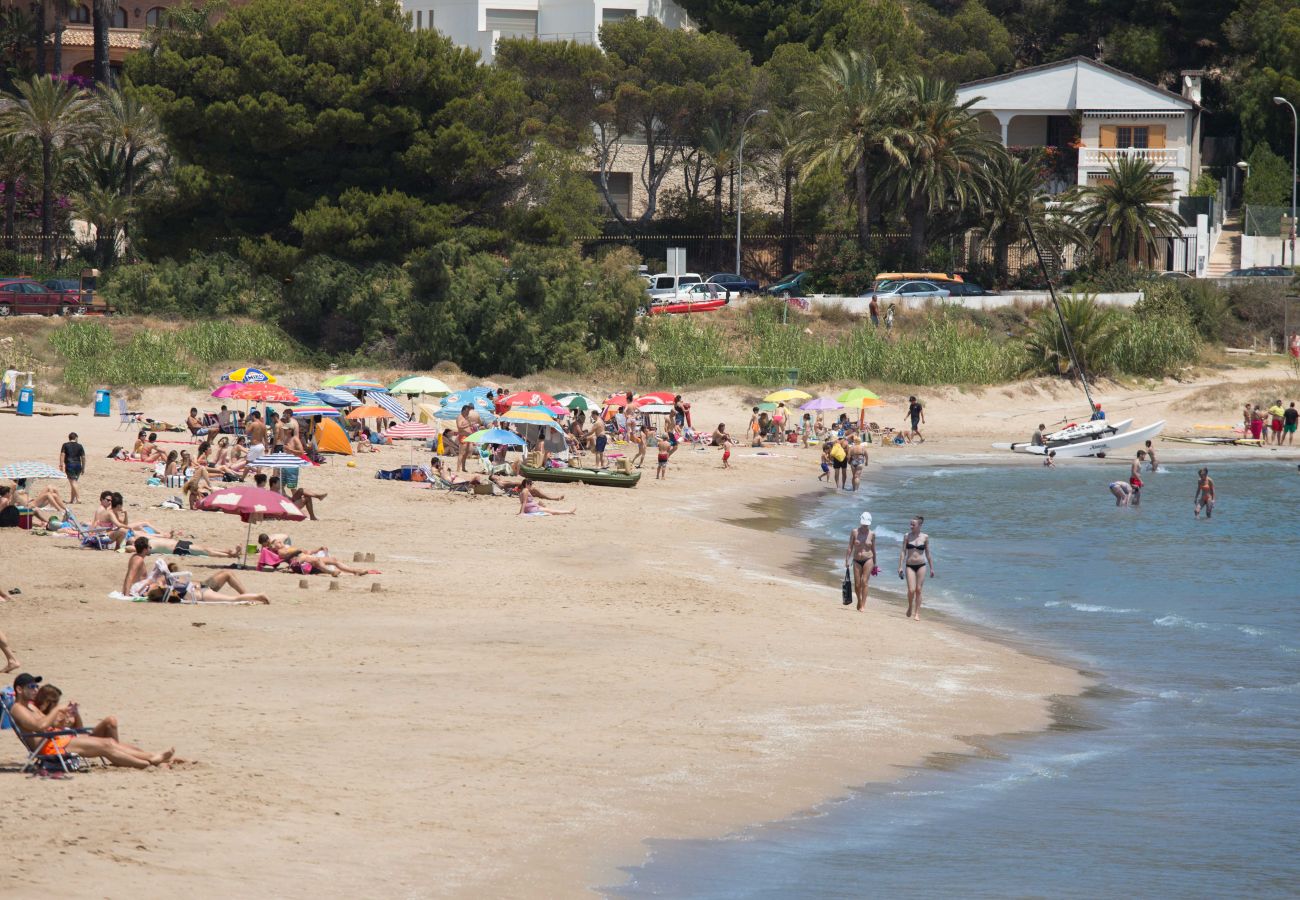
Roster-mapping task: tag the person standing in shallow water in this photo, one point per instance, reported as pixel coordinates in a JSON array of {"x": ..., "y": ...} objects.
[
  {"x": 1204, "y": 494},
  {"x": 862, "y": 554},
  {"x": 1135, "y": 480},
  {"x": 913, "y": 560}
]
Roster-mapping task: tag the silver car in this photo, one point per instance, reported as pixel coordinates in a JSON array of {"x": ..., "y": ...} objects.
[{"x": 910, "y": 290}]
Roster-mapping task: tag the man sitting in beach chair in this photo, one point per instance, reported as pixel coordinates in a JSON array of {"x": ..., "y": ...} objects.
[{"x": 58, "y": 731}]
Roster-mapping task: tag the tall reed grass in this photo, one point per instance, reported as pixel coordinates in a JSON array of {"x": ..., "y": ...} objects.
[{"x": 92, "y": 357}]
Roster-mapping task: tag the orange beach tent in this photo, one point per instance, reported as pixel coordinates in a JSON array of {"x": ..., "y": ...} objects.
[{"x": 331, "y": 439}]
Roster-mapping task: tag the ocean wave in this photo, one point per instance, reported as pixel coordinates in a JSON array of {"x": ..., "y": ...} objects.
[
  {"x": 1254, "y": 632},
  {"x": 1172, "y": 621},
  {"x": 1090, "y": 607}
]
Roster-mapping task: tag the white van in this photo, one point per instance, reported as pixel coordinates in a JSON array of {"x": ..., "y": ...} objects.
[{"x": 664, "y": 285}]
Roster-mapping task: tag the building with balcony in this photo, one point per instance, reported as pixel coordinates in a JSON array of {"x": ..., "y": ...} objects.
[
  {"x": 1091, "y": 114},
  {"x": 479, "y": 24}
]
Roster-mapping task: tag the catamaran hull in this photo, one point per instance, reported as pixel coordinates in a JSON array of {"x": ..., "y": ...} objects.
[
  {"x": 1086, "y": 431},
  {"x": 1108, "y": 444}
]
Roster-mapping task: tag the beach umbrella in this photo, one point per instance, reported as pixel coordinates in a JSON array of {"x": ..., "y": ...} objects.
[
  {"x": 820, "y": 404},
  {"x": 360, "y": 384},
  {"x": 474, "y": 397},
  {"x": 251, "y": 504},
  {"x": 767, "y": 406},
  {"x": 387, "y": 402},
  {"x": 657, "y": 408},
  {"x": 785, "y": 394},
  {"x": 411, "y": 431},
  {"x": 265, "y": 393},
  {"x": 528, "y": 415},
  {"x": 529, "y": 398},
  {"x": 860, "y": 397},
  {"x": 574, "y": 401},
  {"x": 335, "y": 397},
  {"x": 619, "y": 400},
  {"x": 305, "y": 396},
  {"x": 497, "y": 436},
  {"x": 20, "y": 470},
  {"x": 651, "y": 400},
  {"x": 657, "y": 397},
  {"x": 226, "y": 390},
  {"x": 279, "y": 461},
  {"x": 249, "y": 375},
  {"x": 369, "y": 412},
  {"x": 412, "y": 385},
  {"x": 336, "y": 380},
  {"x": 308, "y": 410}
]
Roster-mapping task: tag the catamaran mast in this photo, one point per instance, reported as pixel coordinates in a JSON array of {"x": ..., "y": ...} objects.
[{"x": 1065, "y": 331}]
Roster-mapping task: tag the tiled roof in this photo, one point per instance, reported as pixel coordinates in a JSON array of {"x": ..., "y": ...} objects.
[{"x": 118, "y": 38}]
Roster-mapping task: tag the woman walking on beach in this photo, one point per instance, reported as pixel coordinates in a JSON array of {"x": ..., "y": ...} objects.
[
  {"x": 915, "y": 557},
  {"x": 862, "y": 551}
]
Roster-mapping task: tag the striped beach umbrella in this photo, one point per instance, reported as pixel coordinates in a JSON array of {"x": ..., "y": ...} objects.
[
  {"x": 529, "y": 415},
  {"x": 335, "y": 397},
  {"x": 20, "y": 470},
  {"x": 336, "y": 380},
  {"x": 387, "y": 402},
  {"x": 279, "y": 461},
  {"x": 308, "y": 410},
  {"x": 411, "y": 431},
  {"x": 360, "y": 384},
  {"x": 570, "y": 400}
]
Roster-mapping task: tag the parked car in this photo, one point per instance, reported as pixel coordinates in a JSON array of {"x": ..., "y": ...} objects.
[
  {"x": 1174, "y": 275},
  {"x": 789, "y": 286},
  {"x": 910, "y": 290},
  {"x": 735, "y": 284},
  {"x": 63, "y": 285},
  {"x": 663, "y": 283},
  {"x": 25, "y": 296},
  {"x": 964, "y": 289},
  {"x": 699, "y": 291},
  {"x": 1261, "y": 272}
]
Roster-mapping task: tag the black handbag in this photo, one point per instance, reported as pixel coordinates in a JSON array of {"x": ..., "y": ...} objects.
[{"x": 846, "y": 589}]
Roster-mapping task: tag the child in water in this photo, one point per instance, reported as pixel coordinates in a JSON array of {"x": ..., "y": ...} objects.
[{"x": 826, "y": 463}]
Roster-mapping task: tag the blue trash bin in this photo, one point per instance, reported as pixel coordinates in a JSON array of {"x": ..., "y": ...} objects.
[
  {"x": 26, "y": 400},
  {"x": 103, "y": 403}
]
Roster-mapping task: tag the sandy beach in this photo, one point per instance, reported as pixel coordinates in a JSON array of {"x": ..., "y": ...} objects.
[{"x": 524, "y": 701}]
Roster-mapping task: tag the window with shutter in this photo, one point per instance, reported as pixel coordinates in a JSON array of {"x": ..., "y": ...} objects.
[
  {"x": 1107, "y": 135},
  {"x": 512, "y": 22},
  {"x": 1156, "y": 136}
]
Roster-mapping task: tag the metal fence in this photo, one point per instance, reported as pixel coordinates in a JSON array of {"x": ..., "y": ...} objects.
[
  {"x": 1264, "y": 221},
  {"x": 24, "y": 250}
]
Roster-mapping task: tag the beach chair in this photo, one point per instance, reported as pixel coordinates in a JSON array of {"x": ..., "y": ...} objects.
[
  {"x": 125, "y": 416},
  {"x": 440, "y": 483},
  {"x": 59, "y": 760},
  {"x": 95, "y": 538}
]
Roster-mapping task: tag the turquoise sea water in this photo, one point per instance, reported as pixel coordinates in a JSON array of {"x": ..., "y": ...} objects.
[{"x": 1177, "y": 776}]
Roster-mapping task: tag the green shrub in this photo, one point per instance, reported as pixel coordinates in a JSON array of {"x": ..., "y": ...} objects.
[
  {"x": 1094, "y": 329},
  {"x": 1162, "y": 297},
  {"x": 211, "y": 284},
  {"x": 1153, "y": 346},
  {"x": 841, "y": 268}
]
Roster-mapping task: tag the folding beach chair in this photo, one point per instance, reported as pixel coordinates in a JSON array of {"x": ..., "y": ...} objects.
[
  {"x": 96, "y": 538},
  {"x": 125, "y": 416},
  {"x": 58, "y": 760}
]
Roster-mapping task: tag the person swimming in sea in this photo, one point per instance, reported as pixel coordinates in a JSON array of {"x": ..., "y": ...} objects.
[
  {"x": 862, "y": 553},
  {"x": 1204, "y": 494}
]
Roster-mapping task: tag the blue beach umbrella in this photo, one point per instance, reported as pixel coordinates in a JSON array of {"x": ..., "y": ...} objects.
[
  {"x": 335, "y": 397},
  {"x": 497, "y": 436}
]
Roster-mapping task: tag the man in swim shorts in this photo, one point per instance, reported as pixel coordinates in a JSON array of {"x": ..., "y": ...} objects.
[
  {"x": 1290, "y": 417},
  {"x": 1276, "y": 413},
  {"x": 72, "y": 460},
  {"x": 1134, "y": 481},
  {"x": 665, "y": 448}
]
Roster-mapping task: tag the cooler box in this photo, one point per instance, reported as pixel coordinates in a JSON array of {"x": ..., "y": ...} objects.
[
  {"x": 24, "y": 518},
  {"x": 103, "y": 403},
  {"x": 26, "y": 401}
]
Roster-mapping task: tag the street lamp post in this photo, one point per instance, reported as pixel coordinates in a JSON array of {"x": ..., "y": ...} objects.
[
  {"x": 740, "y": 178},
  {"x": 1295, "y": 144}
]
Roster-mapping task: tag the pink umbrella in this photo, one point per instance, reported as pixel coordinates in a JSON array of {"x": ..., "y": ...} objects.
[
  {"x": 251, "y": 505},
  {"x": 224, "y": 392},
  {"x": 529, "y": 398}
]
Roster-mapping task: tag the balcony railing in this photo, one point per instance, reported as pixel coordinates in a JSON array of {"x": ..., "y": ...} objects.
[{"x": 1163, "y": 157}]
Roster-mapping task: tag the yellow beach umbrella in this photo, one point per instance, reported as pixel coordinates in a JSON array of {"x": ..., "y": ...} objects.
[{"x": 785, "y": 394}]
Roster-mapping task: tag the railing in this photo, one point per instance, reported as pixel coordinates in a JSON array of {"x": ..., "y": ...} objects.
[{"x": 1100, "y": 157}]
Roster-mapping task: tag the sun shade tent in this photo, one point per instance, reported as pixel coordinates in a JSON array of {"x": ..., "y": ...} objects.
[{"x": 330, "y": 438}]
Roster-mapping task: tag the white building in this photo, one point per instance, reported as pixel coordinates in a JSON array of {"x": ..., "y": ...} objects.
[
  {"x": 1103, "y": 112},
  {"x": 479, "y": 24}
]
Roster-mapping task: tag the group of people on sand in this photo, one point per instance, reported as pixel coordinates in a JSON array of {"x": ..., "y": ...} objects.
[
  {"x": 915, "y": 558},
  {"x": 1275, "y": 424}
]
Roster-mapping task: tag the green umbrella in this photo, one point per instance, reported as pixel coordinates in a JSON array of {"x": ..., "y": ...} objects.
[
  {"x": 572, "y": 400},
  {"x": 337, "y": 380},
  {"x": 418, "y": 384},
  {"x": 860, "y": 397}
]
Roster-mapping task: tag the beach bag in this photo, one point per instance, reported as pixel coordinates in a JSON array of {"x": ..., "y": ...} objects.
[
  {"x": 837, "y": 453},
  {"x": 846, "y": 589}
]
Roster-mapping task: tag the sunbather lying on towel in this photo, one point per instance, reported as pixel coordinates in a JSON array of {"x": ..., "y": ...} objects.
[
  {"x": 528, "y": 505},
  {"x": 101, "y": 743},
  {"x": 515, "y": 485},
  {"x": 207, "y": 591},
  {"x": 451, "y": 478},
  {"x": 276, "y": 552}
]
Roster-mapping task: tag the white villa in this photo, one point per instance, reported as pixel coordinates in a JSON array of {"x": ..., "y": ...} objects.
[
  {"x": 479, "y": 24},
  {"x": 1103, "y": 112}
]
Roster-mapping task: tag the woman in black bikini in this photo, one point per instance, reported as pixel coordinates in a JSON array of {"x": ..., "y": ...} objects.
[
  {"x": 915, "y": 557},
  {"x": 862, "y": 550}
]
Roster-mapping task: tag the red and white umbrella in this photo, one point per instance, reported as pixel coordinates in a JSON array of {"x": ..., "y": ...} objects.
[
  {"x": 529, "y": 398},
  {"x": 656, "y": 397},
  {"x": 252, "y": 504},
  {"x": 411, "y": 431}
]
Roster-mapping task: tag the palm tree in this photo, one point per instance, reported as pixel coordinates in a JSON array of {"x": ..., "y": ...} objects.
[
  {"x": 1094, "y": 331},
  {"x": 132, "y": 129},
  {"x": 942, "y": 158},
  {"x": 52, "y": 115},
  {"x": 847, "y": 116},
  {"x": 788, "y": 157},
  {"x": 38, "y": 12},
  {"x": 102, "y": 13},
  {"x": 1131, "y": 205},
  {"x": 15, "y": 158},
  {"x": 107, "y": 210},
  {"x": 62, "y": 9},
  {"x": 719, "y": 149},
  {"x": 1015, "y": 201}
]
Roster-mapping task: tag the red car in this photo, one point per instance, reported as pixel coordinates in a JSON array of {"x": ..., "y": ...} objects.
[{"x": 21, "y": 296}]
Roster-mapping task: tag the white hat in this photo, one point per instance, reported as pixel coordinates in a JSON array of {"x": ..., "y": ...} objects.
[{"x": 866, "y": 519}]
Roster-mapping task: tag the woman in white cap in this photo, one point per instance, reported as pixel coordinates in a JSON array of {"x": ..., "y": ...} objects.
[{"x": 862, "y": 551}]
